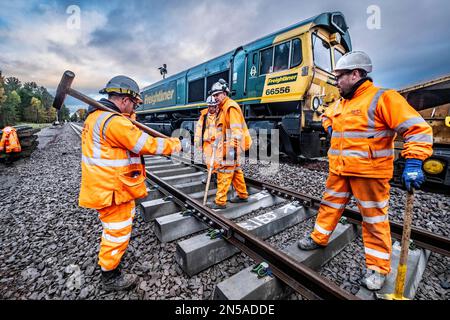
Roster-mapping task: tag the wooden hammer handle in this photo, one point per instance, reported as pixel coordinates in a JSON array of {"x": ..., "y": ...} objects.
[{"x": 98, "y": 105}]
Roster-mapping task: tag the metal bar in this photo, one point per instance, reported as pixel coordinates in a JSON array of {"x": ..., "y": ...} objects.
[{"x": 299, "y": 277}]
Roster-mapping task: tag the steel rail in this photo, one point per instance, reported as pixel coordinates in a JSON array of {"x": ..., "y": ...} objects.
[
  {"x": 297, "y": 276},
  {"x": 422, "y": 238}
]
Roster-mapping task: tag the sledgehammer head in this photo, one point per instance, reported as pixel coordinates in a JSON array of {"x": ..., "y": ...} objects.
[{"x": 63, "y": 88}]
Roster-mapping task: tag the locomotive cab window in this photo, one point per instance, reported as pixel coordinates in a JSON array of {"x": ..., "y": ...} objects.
[
  {"x": 196, "y": 90},
  {"x": 266, "y": 57},
  {"x": 281, "y": 57},
  {"x": 296, "y": 58},
  {"x": 322, "y": 53},
  {"x": 337, "y": 56}
]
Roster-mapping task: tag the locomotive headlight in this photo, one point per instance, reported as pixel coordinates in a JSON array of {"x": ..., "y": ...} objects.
[
  {"x": 433, "y": 166},
  {"x": 315, "y": 104}
]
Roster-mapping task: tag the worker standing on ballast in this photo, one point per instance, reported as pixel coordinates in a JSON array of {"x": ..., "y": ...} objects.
[
  {"x": 113, "y": 175},
  {"x": 225, "y": 124},
  {"x": 363, "y": 126}
]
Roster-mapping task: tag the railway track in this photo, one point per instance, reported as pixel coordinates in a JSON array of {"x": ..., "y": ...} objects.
[{"x": 206, "y": 237}]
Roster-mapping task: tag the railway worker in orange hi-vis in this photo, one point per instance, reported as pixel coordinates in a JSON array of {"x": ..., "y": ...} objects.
[
  {"x": 206, "y": 126},
  {"x": 227, "y": 125},
  {"x": 113, "y": 174},
  {"x": 9, "y": 140},
  {"x": 363, "y": 125}
]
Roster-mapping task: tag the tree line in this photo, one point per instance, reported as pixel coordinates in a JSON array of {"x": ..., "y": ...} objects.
[{"x": 27, "y": 102}]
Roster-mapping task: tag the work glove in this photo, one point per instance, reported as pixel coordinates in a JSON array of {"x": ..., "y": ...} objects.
[
  {"x": 330, "y": 131},
  {"x": 412, "y": 174}
]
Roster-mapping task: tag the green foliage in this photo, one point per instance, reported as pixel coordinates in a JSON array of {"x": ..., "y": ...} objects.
[
  {"x": 64, "y": 113},
  {"x": 27, "y": 102}
]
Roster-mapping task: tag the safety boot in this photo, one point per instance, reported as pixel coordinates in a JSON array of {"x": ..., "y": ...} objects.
[
  {"x": 238, "y": 200},
  {"x": 116, "y": 280},
  {"x": 308, "y": 243},
  {"x": 216, "y": 206},
  {"x": 373, "y": 280}
]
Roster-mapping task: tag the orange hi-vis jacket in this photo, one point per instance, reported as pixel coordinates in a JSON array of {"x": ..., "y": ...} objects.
[
  {"x": 229, "y": 131},
  {"x": 112, "y": 172},
  {"x": 364, "y": 129},
  {"x": 10, "y": 141}
]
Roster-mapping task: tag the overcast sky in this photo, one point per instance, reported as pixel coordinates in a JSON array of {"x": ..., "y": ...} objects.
[{"x": 41, "y": 39}]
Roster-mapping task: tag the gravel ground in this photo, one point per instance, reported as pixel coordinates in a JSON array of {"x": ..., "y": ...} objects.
[{"x": 50, "y": 245}]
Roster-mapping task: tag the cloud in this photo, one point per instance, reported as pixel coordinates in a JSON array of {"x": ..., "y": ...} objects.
[{"x": 137, "y": 37}]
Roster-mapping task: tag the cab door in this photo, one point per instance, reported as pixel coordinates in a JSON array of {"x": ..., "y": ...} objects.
[{"x": 238, "y": 75}]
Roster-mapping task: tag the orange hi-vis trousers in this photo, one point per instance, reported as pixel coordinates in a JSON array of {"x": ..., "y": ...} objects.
[
  {"x": 226, "y": 176},
  {"x": 117, "y": 224},
  {"x": 372, "y": 197}
]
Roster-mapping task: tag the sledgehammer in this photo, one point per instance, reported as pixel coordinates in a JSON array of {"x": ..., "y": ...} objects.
[{"x": 64, "y": 89}]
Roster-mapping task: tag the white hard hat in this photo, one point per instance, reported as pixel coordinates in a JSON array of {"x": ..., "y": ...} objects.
[
  {"x": 219, "y": 86},
  {"x": 354, "y": 60},
  {"x": 211, "y": 101}
]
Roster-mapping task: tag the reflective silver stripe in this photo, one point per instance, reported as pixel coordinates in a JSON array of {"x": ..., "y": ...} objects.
[
  {"x": 109, "y": 163},
  {"x": 377, "y": 219},
  {"x": 364, "y": 134},
  {"x": 376, "y": 253},
  {"x": 122, "y": 239},
  {"x": 338, "y": 194},
  {"x": 333, "y": 205},
  {"x": 135, "y": 160},
  {"x": 355, "y": 153},
  {"x": 236, "y": 125},
  {"x": 105, "y": 125},
  {"x": 225, "y": 170},
  {"x": 405, "y": 125},
  {"x": 334, "y": 152},
  {"x": 419, "y": 138},
  {"x": 383, "y": 153},
  {"x": 373, "y": 204},
  {"x": 117, "y": 225},
  {"x": 160, "y": 148},
  {"x": 322, "y": 230},
  {"x": 372, "y": 108},
  {"x": 140, "y": 143},
  {"x": 96, "y": 149},
  {"x": 236, "y": 136}
]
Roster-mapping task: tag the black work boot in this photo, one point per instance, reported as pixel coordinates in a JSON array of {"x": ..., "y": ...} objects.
[
  {"x": 238, "y": 200},
  {"x": 116, "y": 280},
  {"x": 308, "y": 243},
  {"x": 215, "y": 206}
]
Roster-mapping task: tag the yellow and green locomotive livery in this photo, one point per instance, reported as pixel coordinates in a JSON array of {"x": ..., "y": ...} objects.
[{"x": 282, "y": 81}]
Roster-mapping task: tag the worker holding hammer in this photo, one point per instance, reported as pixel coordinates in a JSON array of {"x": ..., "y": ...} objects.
[{"x": 113, "y": 175}]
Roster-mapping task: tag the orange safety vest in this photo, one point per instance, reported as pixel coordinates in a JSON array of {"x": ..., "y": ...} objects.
[
  {"x": 111, "y": 165},
  {"x": 10, "y": 141},
  {"x": 228, "y": 126},
  {"x": 364, "y": 129}
]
